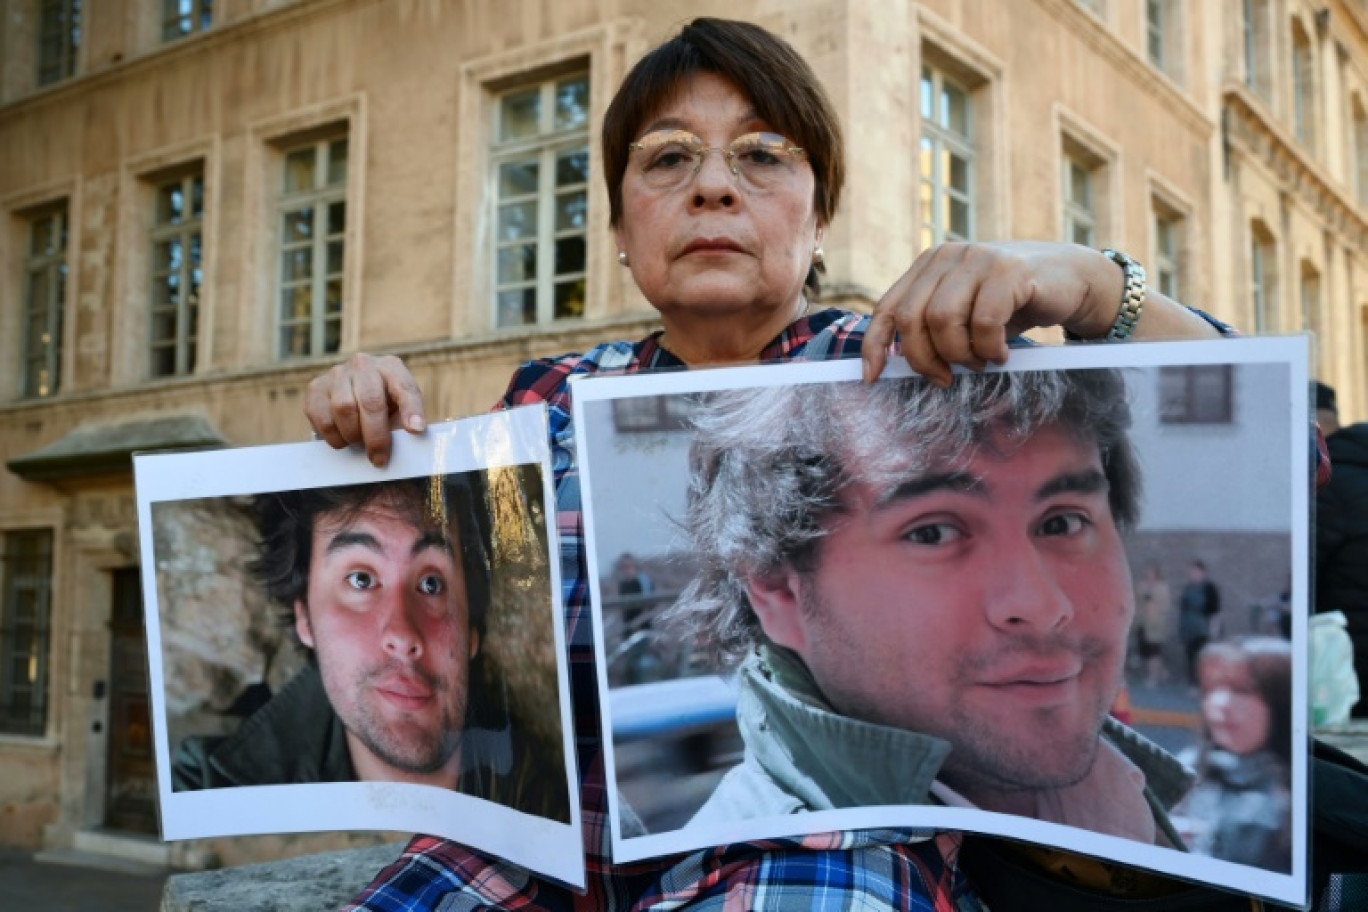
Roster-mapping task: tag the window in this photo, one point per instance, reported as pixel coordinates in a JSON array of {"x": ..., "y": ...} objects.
[
  {"x": 59, "y": 38},
  {"x": 177, "y": 255},
  {"x": 1195, "y": 394},
  {"x": 1080, "y": 203},
  {"x": 185, "y": 17},
  {"x": 1156, "y": 39},
  {"x": 540, "y": 160},
  {"x": 313, "y": 222},
  {"x": 45, "y": 271},
  {"x": 653, "y": 413},
  {"x": 1168, "y": 226},
  {"x": 1256, "y": 55},
  {"x": 26, "y": 578},
  {"x": 1303, "y": 88},
  {"x": 1263, "y": 278},
  {"x": 947, "y": 160}
]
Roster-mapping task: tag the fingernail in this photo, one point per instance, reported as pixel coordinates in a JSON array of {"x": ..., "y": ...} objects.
[
  {"x": 378, "y": 461},
  {"x": 416, "y": 423}
]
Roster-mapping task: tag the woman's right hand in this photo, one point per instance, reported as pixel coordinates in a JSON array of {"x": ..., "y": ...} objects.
[{"x": 361, "y": 400}]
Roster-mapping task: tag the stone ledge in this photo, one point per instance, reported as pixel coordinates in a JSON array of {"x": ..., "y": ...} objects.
[{"x": 310, "y": 883}]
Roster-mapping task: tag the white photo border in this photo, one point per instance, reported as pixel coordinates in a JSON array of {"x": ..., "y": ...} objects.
[
  {"x": 1292, "y": 351},
  {"x": 508, "y": 438}
]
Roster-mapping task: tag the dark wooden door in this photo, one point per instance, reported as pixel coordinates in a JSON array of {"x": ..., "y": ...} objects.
[{"x": 131, "y": 786}]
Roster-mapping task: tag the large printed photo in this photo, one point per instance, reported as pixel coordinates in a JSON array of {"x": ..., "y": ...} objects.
[
  {"x": 1062, "y": 602},
  {"x": 363, "y": 649}
]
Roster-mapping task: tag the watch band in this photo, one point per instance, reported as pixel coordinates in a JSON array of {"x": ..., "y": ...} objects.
[{"x": 1132, "y": 299}]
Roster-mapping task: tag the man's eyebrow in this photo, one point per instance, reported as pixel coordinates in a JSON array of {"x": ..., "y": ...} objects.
[
  {"x": 352, "y": 538},
  {"x": 1088, "y": 481},
  {"x": 957, "y": 482}
]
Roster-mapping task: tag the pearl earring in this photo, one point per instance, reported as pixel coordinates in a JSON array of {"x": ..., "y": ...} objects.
[
  {"x": 818, "y": 257},
  {"x": 622, "y": 257}
]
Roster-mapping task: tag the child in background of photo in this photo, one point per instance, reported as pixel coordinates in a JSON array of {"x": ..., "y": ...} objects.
[{"x": 1240, "y": 808}]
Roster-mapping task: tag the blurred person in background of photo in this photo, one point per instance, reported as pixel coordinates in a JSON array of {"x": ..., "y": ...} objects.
[{"x": 1154, "y": 623}]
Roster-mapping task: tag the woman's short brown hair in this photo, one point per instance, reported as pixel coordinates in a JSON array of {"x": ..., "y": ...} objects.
[{"x": 769, "y": 72}]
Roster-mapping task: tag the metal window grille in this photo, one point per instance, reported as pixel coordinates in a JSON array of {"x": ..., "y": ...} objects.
[
  {"x": 539, "y": 160},
  {"x": 312, "y": 244},
  {"x": 177, "y": 271},
  {"x": 26, "y": 577}
]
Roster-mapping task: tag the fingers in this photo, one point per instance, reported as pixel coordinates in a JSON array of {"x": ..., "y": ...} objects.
[
  {"x": 360, "y": 401},
  {"x": 954, "y": 306}
]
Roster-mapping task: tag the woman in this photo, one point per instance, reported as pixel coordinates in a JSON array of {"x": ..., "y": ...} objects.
[
  {"x": 1153, "y": 610},
  {"x": 723, "y": 160}
]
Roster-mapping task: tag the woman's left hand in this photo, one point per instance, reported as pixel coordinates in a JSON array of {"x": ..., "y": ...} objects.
[{"x": 961, "y": 303}]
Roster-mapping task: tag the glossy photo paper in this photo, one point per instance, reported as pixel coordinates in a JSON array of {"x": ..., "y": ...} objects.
[
  {"x": 1063, "y": 602},
  {"x": 338, "y": 647}
]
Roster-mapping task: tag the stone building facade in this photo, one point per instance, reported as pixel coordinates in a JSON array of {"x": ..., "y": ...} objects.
[{"x": 204, "y": 203}]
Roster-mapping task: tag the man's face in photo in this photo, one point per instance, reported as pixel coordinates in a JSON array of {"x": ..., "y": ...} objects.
[
  {"x": 985, "y": 602},
  {"x": 388, "y": 617}
]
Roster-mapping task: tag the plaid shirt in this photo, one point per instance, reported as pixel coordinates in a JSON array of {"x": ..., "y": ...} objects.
[{"x": 868, "y": 870}]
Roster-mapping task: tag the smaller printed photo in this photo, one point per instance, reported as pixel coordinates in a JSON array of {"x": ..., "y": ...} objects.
[
  {"x": 1061, "y": 602},
  {"x": 383, "y": 651}
]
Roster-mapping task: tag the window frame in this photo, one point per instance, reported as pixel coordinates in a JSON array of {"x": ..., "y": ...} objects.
[
  {"x": 1263, "y": 278},
  {"x": 1074, "y": 213},
  {"x": 546, "y": 147},
  {"x": 67, "y": 41},
  {"x": 41, "y": 373},
  {"x": 186, "y": 311},
  {"x": 39, "y": 579},
  {"x": 934, "y": 190},
  {"x": 1194, "y": 409},
  {"x": 1305, "y": 123},
  {"x": 320, "y": 198}
]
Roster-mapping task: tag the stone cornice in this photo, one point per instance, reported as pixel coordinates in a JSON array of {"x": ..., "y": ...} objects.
[
  {"x": 171, "y": 394},
  {"x": 1130, "y": 64},
  {"x": 1264, "y": 139}
]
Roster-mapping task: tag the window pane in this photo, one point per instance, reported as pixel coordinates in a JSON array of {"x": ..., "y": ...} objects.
[
  {"x": 298, "y": 226},
  {"x": 520, "y": 114},
  {"x": 299, "y": 170},
  {"x": 517, "y": 263},
  {"x": 572, "y": 103},
  {"x": 572, "y": 167},
  {"x": 1082, "y": 234},
  {"x": 167, "y": 256},
  {"x": 959, "y": 172},
  {"x": 170, "y": 204},
  {"x": 1080, "y": 185},
  {"x": 333, "y": 296},
  {"x": 958, "y": 223},
  {"x": 164, "y": 327},
  {"x": 163, "y": 360},
  {"x": 296, "y": 264},
  {"x": 332, "y": 336},
  {"x": 337, "y": 162},
  {"x": 336, "y": 254},
  {"x": 518, "y": 179},
  {"x": 928, "y": 95},
  {"x": 164, "y": 292},
  {"x": 296, "y": 303},
  {"x": 518, "y": 220},
  {"x": 572, "y": 211},
  {"x": 570, "y": 299},
  {"x": 570, "y": 255},
  {"x": 337, "y": 218},
  {"x": 517, "y": 307},
  {"x": 294, "y": 340},
  {"x": 956, "y": 109}
]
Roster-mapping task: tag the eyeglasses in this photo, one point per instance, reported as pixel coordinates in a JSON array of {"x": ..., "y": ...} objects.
[{"x": 670, "y": 158}]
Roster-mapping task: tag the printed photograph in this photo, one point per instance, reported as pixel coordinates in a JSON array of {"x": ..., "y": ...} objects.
[
  {"x": 1057, "y": 602},
  {"x": 395, "y": 632}
]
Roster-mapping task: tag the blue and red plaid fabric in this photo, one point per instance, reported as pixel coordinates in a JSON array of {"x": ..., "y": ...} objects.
[{"x": 868, "y": 870}]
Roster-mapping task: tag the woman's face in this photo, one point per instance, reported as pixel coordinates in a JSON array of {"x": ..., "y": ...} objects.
[
  {"x": 1237, "y": 717},
  {"x": 714, "y": 246}
]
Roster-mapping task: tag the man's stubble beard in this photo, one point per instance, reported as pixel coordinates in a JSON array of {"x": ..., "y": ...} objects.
[
  {"x": 422, "y": 757},
  {"x": 981, "y": 757}
]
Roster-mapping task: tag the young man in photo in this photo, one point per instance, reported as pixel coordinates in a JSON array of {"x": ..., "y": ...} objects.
[
  {"x": 928, "y": 598},
  {"x": 386, "y": 586}
]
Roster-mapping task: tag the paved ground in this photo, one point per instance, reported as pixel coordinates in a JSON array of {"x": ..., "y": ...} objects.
[{"x": 47, "y": 887}]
